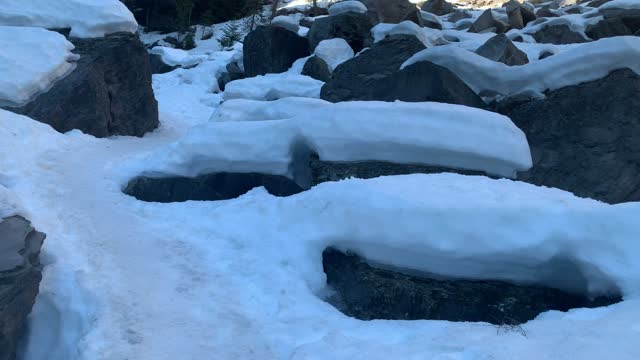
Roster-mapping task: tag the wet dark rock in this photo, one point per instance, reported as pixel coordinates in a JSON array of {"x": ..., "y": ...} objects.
[
  {"x": 353, "y": 27},
  {"x": 317, "y": 68},
  {"x": 500, "y": 49},
  {"x": 438, "y": 7},
  {"x": 558, "y": 35},
  {"x": 583, "y": 139},
  {"x": 272, "y": 49},
  {"x": 369, "y": 293},
  {"x": 20, "y": 275},
  {"x": 217, "y": 186},
  {"x": 487, "y": 22},
  {"x": 108, "y": 93}
]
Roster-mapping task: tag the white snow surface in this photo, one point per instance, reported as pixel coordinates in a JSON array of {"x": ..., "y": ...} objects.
[
  {"x": 31, "y": 60},
  {"x": 176, "y": 57},
  {"x": 334, "y": 52},
  {"x": 586, "y": 62},
  {"x": 620, "y": 4},
  {"x": 273, "y": 87},
  {"x": 415, "y": 133},
  {"x": 286, "y": 22},
  {"x": 347, "y": 6},
  {"x": 86, "y": 18}
]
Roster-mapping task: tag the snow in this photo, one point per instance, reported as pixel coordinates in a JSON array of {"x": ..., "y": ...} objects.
[
  {"x": 32, "y": 59},
  {"x": 86, "y": 18},
  {"x": 411, "y": 133},
  {"x": 255, "y": 110},
  {"x": 334, "y": 52},
  {"x": 286, "y": 22},
  {"x": 620, "y": 4},
  {"x": 273, "y": 87},
  {"x": 429, "y": 37},
  {"x": 347, "y": 6},
  {"x": 427, "y": 16},
  {"x": 583, "y": 63},
  {"x": 176, "y": 57}
]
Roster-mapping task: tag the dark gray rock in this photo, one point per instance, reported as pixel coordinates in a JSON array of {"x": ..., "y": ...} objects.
[
  {"x": 375, "y": 75},
  {"x": 217, "y": 186},
  {"x": 272, "y": 49},
  {"x": 545, "y": 54},
  {"x": 584, "y": 138},
  {"x": 616, "y": 22},
  {"x": 545, "y": 12},
  {"x": 459, "y": 15},
  {"x": 20, "y": 275},
  {"x": 158, "y": 66},
  {"x": 317, "y": 69},
  {"x": 389, "y": 11},
  {"x": 430, "y": 21},
  {"x": 519, "y": 15},
  {"x": 369, "y": 293},
  {"x": 598, "y": 3},
  {"x": 109, "y": 92},
  {"x": 500, "y": 49},
  {"x": 488, "y": 23},
  {"x": 233, "y": 73},
  {"x": 353, "y": 27},
  {"x": 558, "y": 35},
  {"x": 438, "y": 7}
]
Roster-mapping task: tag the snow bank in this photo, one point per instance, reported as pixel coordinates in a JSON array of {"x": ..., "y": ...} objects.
[
  {"x": 286, "y": 22},
  {"x": 347, "y": 6},
  {"x": 30, "y": 61},
  {"x": 586, "y": 62},
  {"x": 254, "y": 110},
  {"x": 273, "y": 86},
  {"x": 334, "y": 52},
  {"x": 177, "y": 57},
  {"x": 412, "y": 133},
  {"x": 86, "y": 18}
]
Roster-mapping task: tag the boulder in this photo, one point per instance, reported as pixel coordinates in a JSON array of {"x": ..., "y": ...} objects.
[
  {"x": 459, "y": 15},
  {"x": 108, "y": 93},
  {"x": 519, "y": 15},
  {"x": 487, "y": 22},
  {"x": 499, "y": 48},
  {"x": 375, "y": 75},
  {"x": 429, "y": 20},
  {"x": 20, "y": 275},
  {"x": 354, "y": 27},
  {"x": 158, "y": 66},
  {"x": 317, "y": 68},
  {"x": 584, "y": 140},
  {"x": 389, "y": 11},
  {"x": 233, "y": 73},
  {"x": 558, "y": 35},
  {"x": 545, "y": 12},
  {"x": 545, "y": 54},
  {"x": 438, "y": 7},
  {"x": 615, "y": 22},
  {"x": 272, "y": 49},
  {"x": 367, "y": 293}
]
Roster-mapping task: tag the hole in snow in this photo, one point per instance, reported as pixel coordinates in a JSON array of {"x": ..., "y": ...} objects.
[
  {"x": 217, "y": 186},
  {"x": 367, "y": 293}
]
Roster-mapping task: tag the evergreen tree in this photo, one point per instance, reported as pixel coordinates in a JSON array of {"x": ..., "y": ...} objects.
[
  {"x": 254, "y": 12},
  {"x": 230, "y": 35}
]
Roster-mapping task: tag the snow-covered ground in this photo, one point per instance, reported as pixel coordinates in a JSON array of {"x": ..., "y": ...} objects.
[{"x": 243, "y": 278}]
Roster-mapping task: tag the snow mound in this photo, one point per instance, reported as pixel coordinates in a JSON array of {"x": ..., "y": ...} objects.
[
  {"x": 177, "y": 57},
  {"x": 86, "y": 18},
  {"x": 413, "y": 133},
  {"x": 347, "y": 6},
  {"x": 429, "y": 37},
  {"x": 31, "y": 60},
  {"x": 255, "y": 110},
  {"x": 334, "y": 52},
  {"x": 583, "y": 63},
  {"x": 273, "y": 87},
  {"x": 286, "y": 22},
  {"x": 429, "y": 17},
  {"x": 620, "y": 4}
]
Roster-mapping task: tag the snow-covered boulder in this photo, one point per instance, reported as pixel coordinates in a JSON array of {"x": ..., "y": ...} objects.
[
  {"x": 286, "y": 22},
  {"x": 32, "y": 59},
  {"x": 347, "y": 6},
  {"x": 429, "y": 20},
  {"x": 20, "y": 275},
  {"x": 272, "y": 49},
  {"x": 85, "y": 18},
  {"x": 615, "y": 22},
  {"x": 334, "y": 52},
  {"x": 584, "y": 137},
  {"x": 353, "y": 27},
  {"x": 558, "y": 34},
  {"x": 108, "y": 93},
  {"x": 437, "y": 7},
  {"x": 375, "y": 75},
  {"x": 273, "y": 87}
]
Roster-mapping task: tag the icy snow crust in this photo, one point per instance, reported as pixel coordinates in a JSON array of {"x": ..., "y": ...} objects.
[
  {"x": 30, "y": 61},
  {"x": 587, "y": 62},
  {"x": 415, "y": 133},
  {"x": 86, "y": 18}
]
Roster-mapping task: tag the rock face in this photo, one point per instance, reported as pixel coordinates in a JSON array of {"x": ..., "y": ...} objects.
[
  {"x": 487, "y": 22},
  {"x": 369, "y": 293},
  {"x": 499, "y": 48},
  {"x": 558, "y": 35},
  {"x": 375, "y": 75},
  {"x": 317, "y": 69},
  {"x": 20, "y": 275},
  {"x": 272, "y": 49},
  {"x": 585, "y": 140},
  {"x": 355, "y": 28},
  {"x": 519, "y": 16},
  {"x": 389, "y": 11},
  {"x": 616, "y": 22},
  {"x": 217, "y": 186},
  {"x": 438, "y": 7},
  {"x": 109, "y": 92}
]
